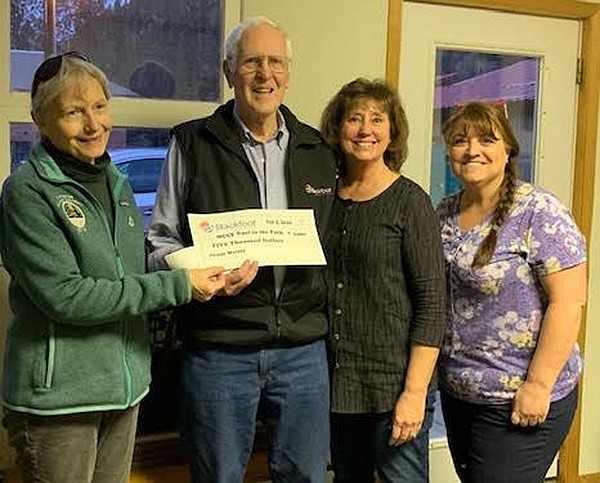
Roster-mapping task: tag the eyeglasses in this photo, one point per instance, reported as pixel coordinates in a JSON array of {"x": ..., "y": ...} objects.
[
  {"x": 50, "y": 67},
  {"x": 276, "y": 63}
]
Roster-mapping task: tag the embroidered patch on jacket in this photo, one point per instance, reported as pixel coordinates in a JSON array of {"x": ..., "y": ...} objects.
[
  {"x": 73, "y": 212},
  {"x": 309, "y": 190}
]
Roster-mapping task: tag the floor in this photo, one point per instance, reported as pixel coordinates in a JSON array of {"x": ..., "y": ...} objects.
[
  {"x": 257, "y": 473},
  {"x": 257, "y": 470}
]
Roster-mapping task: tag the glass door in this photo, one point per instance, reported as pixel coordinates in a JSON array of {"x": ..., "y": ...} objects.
[{"x": 526, "y": 64}]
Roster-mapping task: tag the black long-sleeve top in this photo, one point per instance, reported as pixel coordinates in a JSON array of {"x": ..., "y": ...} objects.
[{"x": 386, "y": 290}]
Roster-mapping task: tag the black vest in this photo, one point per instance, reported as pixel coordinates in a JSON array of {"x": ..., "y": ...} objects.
[{"x": 220, "y": 178}]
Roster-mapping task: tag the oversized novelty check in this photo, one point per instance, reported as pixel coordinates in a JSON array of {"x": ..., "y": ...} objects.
[{"x": 271, "y": 237}]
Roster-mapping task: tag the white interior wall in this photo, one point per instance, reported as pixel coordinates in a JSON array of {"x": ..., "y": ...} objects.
[
  {"x": 333, "y": 43},
  {"x": 589, "y": 461}
]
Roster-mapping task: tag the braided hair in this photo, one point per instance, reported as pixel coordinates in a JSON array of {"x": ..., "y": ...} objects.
[{"x": 488, "y": 120}]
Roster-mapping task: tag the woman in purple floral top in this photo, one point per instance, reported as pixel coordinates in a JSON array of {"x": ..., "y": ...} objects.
[{"x": 516, "y": 266}]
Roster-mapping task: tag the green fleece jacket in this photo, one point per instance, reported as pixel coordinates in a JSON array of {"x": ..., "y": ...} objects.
[{"x": 78, "y": 341}]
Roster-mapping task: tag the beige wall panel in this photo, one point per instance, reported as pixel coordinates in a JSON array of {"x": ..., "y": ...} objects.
[
  {"x": 589, "y": 461},
  {"x": 333, "y": 43}
]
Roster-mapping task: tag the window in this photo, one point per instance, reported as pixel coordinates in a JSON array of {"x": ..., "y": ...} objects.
[
  {"x": 509, "y": 80},
  {"x": 142, "y": 167},
  {"x": 163, "y": 49},
  {"x": 162, "y": 59}
]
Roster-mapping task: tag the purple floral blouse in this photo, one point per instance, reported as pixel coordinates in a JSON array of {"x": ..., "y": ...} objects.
[{"x": 495, "y": 311}]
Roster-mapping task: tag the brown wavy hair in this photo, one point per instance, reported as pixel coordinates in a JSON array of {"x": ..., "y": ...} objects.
[
  {"x": 488, "y": 120},
  {"x": 356, "y": 92}
]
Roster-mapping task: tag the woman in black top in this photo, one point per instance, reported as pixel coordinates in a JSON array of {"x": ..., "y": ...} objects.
[{"x": 387, "y": 293}]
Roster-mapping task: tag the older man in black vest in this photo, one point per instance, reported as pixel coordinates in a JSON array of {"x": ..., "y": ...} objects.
[{"x": 261, "y": 343}]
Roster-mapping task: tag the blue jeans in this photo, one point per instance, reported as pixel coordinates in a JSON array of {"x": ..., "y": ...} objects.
[
  {"x": 487, "y": 448},
  {"x": 222, "y": 392},
  {"x": 359, "y": 449}
]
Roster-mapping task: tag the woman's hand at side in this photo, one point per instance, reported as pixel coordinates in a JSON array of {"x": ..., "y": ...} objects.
[
  {"x": 409, "y": 411},
  {"x": 408, "y": 417},
  {"x": 566, "y": 292},
  {"x": 206, "y": 282},
  {"x": 531, "y": 404}
]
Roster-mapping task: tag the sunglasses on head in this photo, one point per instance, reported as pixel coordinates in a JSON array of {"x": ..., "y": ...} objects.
[{"x": 50, "y": 67}]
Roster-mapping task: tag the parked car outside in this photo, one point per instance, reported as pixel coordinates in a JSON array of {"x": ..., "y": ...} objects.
[{"x": 143, "y": 167}]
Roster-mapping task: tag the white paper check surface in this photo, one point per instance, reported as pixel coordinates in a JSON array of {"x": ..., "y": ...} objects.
[{"x": 271, "y": 237}]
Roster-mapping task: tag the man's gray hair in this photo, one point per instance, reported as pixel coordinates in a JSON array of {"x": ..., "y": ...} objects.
[{"x": 232, "y": 44}]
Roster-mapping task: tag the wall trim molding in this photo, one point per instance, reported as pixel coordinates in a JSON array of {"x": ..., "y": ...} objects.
[{"x": 591, "y": 478}]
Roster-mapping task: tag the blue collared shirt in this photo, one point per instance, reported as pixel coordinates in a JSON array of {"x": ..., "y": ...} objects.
[{"x": 268, "y": 162}]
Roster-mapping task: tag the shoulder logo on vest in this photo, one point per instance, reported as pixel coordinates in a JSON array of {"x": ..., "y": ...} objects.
[
  {"x": 309, "y": 190},
  {"x": 74, "y": 212}
]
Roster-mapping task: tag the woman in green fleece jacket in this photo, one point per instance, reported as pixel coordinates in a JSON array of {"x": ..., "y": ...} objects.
[{"x": 77, "y": 359}]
